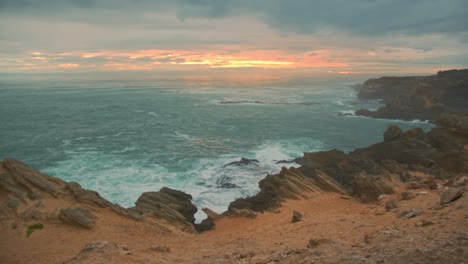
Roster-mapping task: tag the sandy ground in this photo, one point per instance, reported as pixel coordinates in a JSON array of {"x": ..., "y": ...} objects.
[{"x": 333, "y": 230}]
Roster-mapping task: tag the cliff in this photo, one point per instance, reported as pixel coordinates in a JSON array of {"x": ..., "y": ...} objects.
[
  {"x": 423, "y": 98},
  {"x": 413, "y": 186}
]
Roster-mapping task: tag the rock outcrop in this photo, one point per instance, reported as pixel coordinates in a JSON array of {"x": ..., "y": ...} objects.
[
  {"x": 172, "y": 205},
  {"x": 288, "y": 184},
  {"x": 27, "y": 194},
  {"x": 368, "y": 172},
  {"x": 424, "y": 98}
]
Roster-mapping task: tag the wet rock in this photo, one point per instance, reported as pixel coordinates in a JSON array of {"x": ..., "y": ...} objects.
[
  {"x": 243, "y": 162},
  {"x": 296, "y": 217},
  {"x": 450, "y": 195},
  {"x": 392, "y": 132},
  {"x": 78, "y": 216}
]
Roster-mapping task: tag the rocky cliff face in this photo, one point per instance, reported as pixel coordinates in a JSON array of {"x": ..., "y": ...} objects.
[
  {"x": 417, "y": 97},
  {"x": 26, "y": 194},
  {"x": 368, "y": 172}
]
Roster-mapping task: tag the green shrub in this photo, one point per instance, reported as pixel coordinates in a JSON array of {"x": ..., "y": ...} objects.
[{"x": 33, "y": 227}]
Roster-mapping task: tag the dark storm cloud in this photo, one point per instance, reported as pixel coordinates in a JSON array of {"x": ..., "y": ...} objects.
[{"x": 365, "y": 17}]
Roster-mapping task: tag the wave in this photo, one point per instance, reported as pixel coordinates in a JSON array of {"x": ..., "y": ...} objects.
[
  {"x": 347, "y": 113},
  {"x": 242, "y": 101},
  {"x": 125, "y": 150}
]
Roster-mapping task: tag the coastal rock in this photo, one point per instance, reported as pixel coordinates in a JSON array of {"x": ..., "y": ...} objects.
[
  {"x": 172, "y": 205},
  {"x": 78, "y": 216},
  {"x": 28, "y": 195},
  {"x": 450, "y": 195},
  {"x": 392, "y": 132},
  {"x": 26, "y": 183},
  {"x": 87, "y": 196},
  {"x": 243, "y": 162},
  {"x": 368, "y": 189},
  {"x": 327, "y": 183},
  {"x": 424, "y": 98},
  {"x": 288, "y": 184}
]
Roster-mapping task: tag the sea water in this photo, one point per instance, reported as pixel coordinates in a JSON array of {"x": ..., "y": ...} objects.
[{"x": 123, "y": 138}]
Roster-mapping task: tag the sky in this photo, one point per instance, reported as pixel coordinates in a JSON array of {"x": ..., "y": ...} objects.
[{"x": 333, "y": 37}]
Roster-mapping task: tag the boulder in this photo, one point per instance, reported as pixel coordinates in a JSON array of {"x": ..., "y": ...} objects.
[
  {"x": 78, "y": 216},
  {"x": 296, "y": 216},
  {"x": 451, "y": 194},
  {"x": 172, "y": 205},
  {"x": 368, "y": 189}
]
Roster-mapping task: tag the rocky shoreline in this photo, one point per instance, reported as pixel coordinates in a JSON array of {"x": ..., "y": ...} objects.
[
  {"x": 372, "y": 205},
  {"x": 421, "y": 97}
]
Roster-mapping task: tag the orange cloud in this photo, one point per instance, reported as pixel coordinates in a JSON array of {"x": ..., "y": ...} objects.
[{"x": 69, "y": 65}]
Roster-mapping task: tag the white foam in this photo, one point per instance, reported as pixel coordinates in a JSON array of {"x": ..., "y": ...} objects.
[
  {"x": 124, "y": 150},
  {"x": 339, "y": 102},
  {"x": 120, "y": 181},
  {"x": 152, "y": 114},
  {"x": 182, "y": 135},
  {"x": 350, "y": 113},
  {"x": 202, "y": 183}
]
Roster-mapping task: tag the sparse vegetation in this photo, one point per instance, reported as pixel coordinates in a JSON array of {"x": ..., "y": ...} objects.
[{"x": 33, "y": 227}]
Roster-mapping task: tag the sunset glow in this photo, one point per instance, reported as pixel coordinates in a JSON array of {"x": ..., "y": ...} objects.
[{"x": 222, "y": 36}]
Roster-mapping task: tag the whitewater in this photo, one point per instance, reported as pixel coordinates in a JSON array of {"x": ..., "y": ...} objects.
[{"x": 122, "y": 138}]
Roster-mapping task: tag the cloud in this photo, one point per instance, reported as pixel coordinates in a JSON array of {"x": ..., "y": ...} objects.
[
  {"x": 365, "y": 17},
  {"x": 319, "y": 34}
]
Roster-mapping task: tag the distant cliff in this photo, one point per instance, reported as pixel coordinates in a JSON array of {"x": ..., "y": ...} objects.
[{"x": 425, "y": 97}]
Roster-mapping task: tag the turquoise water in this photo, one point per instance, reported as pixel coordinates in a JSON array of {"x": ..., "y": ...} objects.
[{"x": 124, "y": 138}]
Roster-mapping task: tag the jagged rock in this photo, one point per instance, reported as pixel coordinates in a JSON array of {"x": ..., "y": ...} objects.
[
  {"x": 101, "y": 252},
  {"x": 211, "y": 214},
  {"x": 296, "y": 217},
  {"x": 243, "y": 162},
  {"x": 368, "y": 189},
  {"x": 205, "y": 225},
  {"x": 19, "y": 179},
  {"x": 327, "y": 183},
  {"x": 424, "y": 98},
  {"x": 87, "y": 196},
  {"x": 428, "y": 182},
  {"x": 78, "y": 216},
  {"x": 457, "y": 181},
  {"x": 450, "y": 195},
  {"x": 172, "y": 205},
  {"x": 242, "y": 212},
  {"x": 273, "y": 188},
  {"x": 391, "y": 204},
  {"x": 392, "y": 132}
]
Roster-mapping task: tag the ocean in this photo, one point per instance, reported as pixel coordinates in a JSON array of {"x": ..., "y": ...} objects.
[{"x": 122, "y": 138}]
